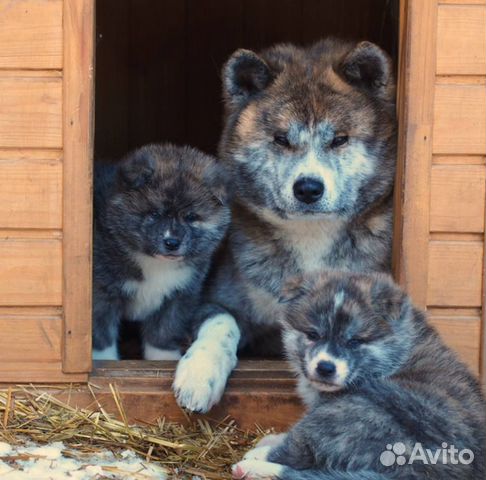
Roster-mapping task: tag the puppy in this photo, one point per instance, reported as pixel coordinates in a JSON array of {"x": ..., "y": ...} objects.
[
  {"x": 374, "y": 375},
  {"x": 309, "y": 141},
  {"x": 159, "y": 217}
]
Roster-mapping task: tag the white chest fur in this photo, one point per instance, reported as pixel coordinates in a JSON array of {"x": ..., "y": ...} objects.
[
  {"x": 311, "y": 241},
  {"x": 160, "y": 278}
]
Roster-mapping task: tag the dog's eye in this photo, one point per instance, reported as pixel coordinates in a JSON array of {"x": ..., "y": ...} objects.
[
  {"x": 312, "y": 335},
  {"x": 192, "y": 217},
  {"x": 281, "y": 139},
  {"x": 155, "y": 215},
  {"x": 356, "y": 342},
  {"x": 339, "y": 141}
]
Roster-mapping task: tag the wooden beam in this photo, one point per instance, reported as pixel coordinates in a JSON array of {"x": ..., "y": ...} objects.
[
  {"x": 78, "y": 30},
  {"x": 260, "y": 392},
  {"x": 416, "y": 115}
]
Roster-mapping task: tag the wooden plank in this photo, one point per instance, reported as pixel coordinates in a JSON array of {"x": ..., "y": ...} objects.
[
  {"x": 483, "y": 319},
  {"x": 462, "y": 334},
  {"x": 257, "y": 393},
  {"x": 462, "y": 2},
  {"x": 78, "y": 181},
  {"x": 21, "y": 311},
  {"x": 30, "y": 339},
  {"x": 461, "y": 44},
  {"x": 30, "y": 272},
  {"x": 30, "y": 112},
  {"x": 29, "y": 234},
  {"x": 30, "y": 190},
  {"x": 457, "y": 202},
  {"x": 31, "y": 34},
  {"x": 455, "y": 274},
  {"x": 457, "y": 236},
  {"x": 37, "y": 372},
  {"x": 461, "y": 80},
  {"x": 460, "y": 119},
  {"x": 459, "y": 159},
  {"x": 412, "y": 192}
]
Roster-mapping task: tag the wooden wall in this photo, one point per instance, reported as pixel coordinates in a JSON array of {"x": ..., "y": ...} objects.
[
  {"x": 37, "y": 158},
  {"x": 159, "y": 61},
  {"x": 158, "y": 78},
  {"x": 440, "y": 254}
]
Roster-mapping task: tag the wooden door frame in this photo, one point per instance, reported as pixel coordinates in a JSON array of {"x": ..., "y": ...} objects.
[
  {"x": 78, "y": 123},
  {"x": 255, "y": 387},
  {"x": 415, "y": 101}
]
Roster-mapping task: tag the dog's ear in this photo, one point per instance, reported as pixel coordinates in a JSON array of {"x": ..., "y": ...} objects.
[
  {"x": 293, "y": 290},
  {"x": 388, "y": 300},
  {"x": 217, "y": 179},
  {"x": 137, "y": 169},
  {"x": 245, "y": 74},
  {"x": 368, "y": 67}
]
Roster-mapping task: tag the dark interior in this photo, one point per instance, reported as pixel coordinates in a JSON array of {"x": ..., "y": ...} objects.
[{"x": 158, "y": 64}]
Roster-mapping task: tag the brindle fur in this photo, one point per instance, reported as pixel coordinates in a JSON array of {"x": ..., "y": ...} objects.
[{"x": 402, "y": 385}]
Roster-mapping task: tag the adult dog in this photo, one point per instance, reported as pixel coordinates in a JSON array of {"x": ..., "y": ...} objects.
[{"x": 310, "y": 143}]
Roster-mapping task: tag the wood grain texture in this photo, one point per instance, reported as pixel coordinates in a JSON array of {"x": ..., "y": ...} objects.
[
  {"x": 30, "y": 189},
  {"x": 30, "y": 272},
  {"x": 37, "y": 372},
  {"x": 30, "y": 112},
  {"x": 35, "y": 338},
  {"x": 412, "y": 195},
  {"x": 455, "y": 274},
  {"x": 462, "y": 334},
  {"x": 460, "y": 119},
  {"x": 482, "y": 368},
  {"x": 457, "y": 201},
  {"x": 459, "y": 159},
  {"x": 461, "y": 45},
  {"x": 258, "y": 392},
  {"x": 77, "y": 184},
  {"x": 31, "y": 34}
]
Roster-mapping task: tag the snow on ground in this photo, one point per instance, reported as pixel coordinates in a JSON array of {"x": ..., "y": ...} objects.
[{"x": 55, "y": 461}]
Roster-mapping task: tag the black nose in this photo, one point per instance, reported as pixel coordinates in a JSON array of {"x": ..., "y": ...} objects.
[
  {"x": 172, "y": 243},
  {"x": 326, "y": 369},
  {"x": 308, "y": 190}
]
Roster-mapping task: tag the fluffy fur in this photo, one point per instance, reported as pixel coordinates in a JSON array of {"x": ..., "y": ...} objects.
[
  {"x": 309, "y": 141},
  {"x": 401, "y": 384},
  {"x": 159, "y": 216}
]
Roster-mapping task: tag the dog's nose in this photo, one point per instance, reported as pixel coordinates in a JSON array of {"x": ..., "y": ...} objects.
[
  {"x": 172, "y": 243},
  {"x": 326, "y": 369},
  {"x": 308, "y": 190}
]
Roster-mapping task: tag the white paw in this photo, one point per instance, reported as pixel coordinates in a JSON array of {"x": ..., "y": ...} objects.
[
  {"x": 272, "y": 440},
  {"x": 198, "y": 383},
  {"x": 256, "y": 469},
  {"x": 202, "y": 373},
  {"x": 258, "y": 453}
]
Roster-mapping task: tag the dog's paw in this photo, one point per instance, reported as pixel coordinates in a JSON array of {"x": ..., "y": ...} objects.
[
  {"x": 256, "y": 470},
  {"x": 272, "y": 440},
  {"x": 202, "y": 373},
  {"x": 258, "y": 453},
  {"x": 200, "y": 380}
]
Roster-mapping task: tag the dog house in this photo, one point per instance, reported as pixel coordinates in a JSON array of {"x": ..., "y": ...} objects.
[{"x": 157, "y": 79}]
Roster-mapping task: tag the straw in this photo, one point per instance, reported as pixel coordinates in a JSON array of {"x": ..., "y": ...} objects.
[{"x": 202, "y": 448}]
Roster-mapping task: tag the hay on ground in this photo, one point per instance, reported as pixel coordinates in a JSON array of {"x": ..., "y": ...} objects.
[{"x": 202, "y": 449}]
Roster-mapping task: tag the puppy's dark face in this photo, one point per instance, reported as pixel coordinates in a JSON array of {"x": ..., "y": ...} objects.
[
  {"x": 170, "y": 202},
  {"x": 310, "y": 132},
  {"x": 341, "y": 329}
]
